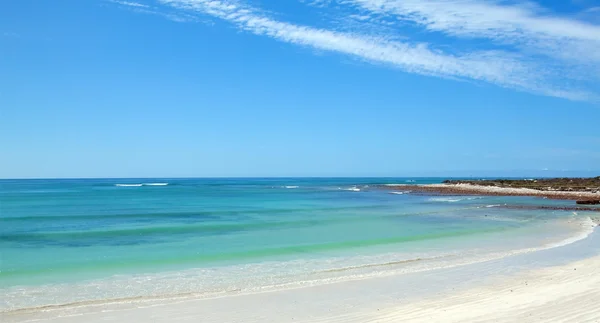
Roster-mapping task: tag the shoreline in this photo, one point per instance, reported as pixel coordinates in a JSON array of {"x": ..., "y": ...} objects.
[
  {"x": 594, "y": 217},
  {"x": 305, "y": 302},
  {"x": 470, "y": 189},
  {"x": 558, "y": 282}
]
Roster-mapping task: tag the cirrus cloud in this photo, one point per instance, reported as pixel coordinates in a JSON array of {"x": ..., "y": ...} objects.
[{"x": 525, "y": 50}]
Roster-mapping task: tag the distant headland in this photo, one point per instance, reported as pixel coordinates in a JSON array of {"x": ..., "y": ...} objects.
[{"x": 582, "y": 190}]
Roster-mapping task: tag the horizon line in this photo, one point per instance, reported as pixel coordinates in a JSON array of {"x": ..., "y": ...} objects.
[{"x": 281, "y": 177}]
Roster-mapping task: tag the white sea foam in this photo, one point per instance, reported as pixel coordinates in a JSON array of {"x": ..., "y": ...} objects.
[
  {"x": 444, "y": 199},
  {"x": 400, "y": 193},
  {"x": 291, "y": 186},
  {"x": 452, "y": 199},
  {"x": 587, "y": 226},
  {"x": 142, "y": 184},
  {"x": 353, "y": 189},
  {"x": 492, "y": 205}
]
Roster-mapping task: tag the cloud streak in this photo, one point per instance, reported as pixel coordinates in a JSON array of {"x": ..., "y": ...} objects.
[
  {"x": 523, "y": 25},
  {"x": 153, "y": 10},
  {"x": 513, "y": 25},
  {"x": 130, "y": 4}
]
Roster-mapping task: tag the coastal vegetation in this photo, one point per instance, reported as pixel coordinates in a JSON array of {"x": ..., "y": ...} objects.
[
  {"x": 542, "y": 184},
  {"x": 582, "y": 190}
]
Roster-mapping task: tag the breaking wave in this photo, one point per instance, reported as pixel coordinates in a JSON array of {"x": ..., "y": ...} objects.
[
  {"x": 400, "y": 193},
  {"x": 142, "y": 184},
  {"x": 452, "y": 199}
]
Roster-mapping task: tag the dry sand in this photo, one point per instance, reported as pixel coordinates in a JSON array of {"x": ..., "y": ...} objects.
[{"x": 562, "y": 294}]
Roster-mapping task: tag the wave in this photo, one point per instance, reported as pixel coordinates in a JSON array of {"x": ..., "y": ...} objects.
[
  {"x": 400, "y": 193},
  {"x": 452, "y": 199},
  {"x": 291, "y": 186},
  {"x": 353, "y": 189},
  {"x": 587, "y": 224},
  {"x": 142, "y": 184}
]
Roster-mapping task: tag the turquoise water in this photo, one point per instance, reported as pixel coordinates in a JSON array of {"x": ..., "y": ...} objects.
[{"x": 76, "y": 240}]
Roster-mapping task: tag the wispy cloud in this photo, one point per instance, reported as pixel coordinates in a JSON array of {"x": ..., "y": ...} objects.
[
  {"x": 525, "y": 25},
  {"x": 527, "y": 52},
  {"x": 130, "y": 4},
  {"x": 153, "y": 10},
  {"x": 10, "y": 34}
]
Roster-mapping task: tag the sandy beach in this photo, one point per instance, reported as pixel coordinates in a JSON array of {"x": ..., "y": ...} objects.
[
  {"x": 564, "y": 293},
  {"x": 470, "y": 189},
  {"x": 560, "y": 294}
]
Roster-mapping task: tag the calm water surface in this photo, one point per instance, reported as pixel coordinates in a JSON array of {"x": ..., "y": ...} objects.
[{"x": 64, "y": 241}]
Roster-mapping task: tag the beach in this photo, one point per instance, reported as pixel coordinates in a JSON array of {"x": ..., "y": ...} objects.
[
  {"x": 290, "y": 250},
  {"x": 471, "y": 189},
  {"x": 561, "y": 293}
]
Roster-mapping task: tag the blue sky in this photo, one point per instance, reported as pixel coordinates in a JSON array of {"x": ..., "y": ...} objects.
[{"x": 170, "y": 88}]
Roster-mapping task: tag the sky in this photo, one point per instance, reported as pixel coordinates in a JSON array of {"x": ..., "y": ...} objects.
[{"x": 213, "y": 88}]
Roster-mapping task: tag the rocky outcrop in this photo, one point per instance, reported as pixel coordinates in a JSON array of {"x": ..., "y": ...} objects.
[
  {"x": 588, "y": 202},
  {"x": 591, "y": 185},
  {"x": 549, "y": 207},
  {"x": 493, "y": 190}
]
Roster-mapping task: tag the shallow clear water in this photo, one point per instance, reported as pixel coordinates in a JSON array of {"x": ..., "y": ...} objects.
[{"x": 65, "y": 241}]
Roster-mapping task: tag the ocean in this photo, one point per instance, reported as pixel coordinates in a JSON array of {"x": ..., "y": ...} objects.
[{"x": 75, "y": 241}]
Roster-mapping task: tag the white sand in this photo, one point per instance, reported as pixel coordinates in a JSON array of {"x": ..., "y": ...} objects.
[
  {"x": 509, "y": 190},
  {"x": 469, "y": 188},
  {"x": 561, "y": 294},
  {"x": 569, "y": 293}
]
